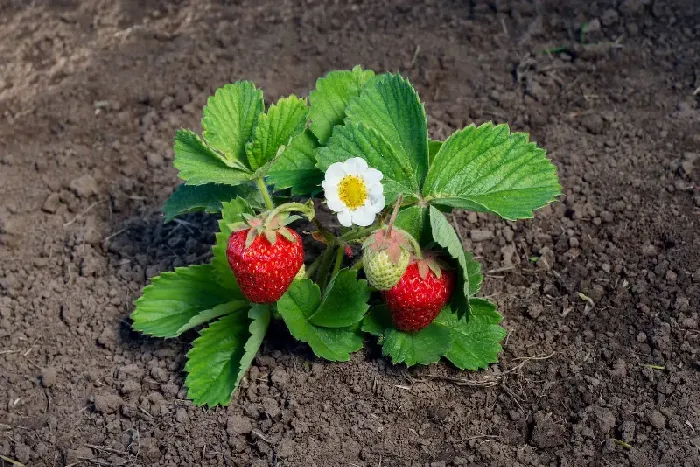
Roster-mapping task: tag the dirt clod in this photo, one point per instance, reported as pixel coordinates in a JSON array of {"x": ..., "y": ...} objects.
[
  {"x": 657, "y": 419},
  {"x": 238, "y": 425},
  {"x": 48, "y": 377},
  {"x": 84, "y": 186},
  {"x": 546, "y": 433},
  {"x": 107, "y": 403}
]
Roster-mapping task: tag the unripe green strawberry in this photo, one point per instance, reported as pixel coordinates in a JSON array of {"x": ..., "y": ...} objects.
[
  {"x": 381, "y": 271},
  {"x": 387, "y": 253}
]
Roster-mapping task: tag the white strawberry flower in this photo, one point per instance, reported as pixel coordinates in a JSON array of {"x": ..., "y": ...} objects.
[{"x": 354, "y": 191}]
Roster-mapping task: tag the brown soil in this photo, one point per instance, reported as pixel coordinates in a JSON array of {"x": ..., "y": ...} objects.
[{"x": 91, "y": 93}]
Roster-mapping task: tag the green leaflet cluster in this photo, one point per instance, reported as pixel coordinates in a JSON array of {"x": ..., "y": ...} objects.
[{"x": 247, "y": 151}]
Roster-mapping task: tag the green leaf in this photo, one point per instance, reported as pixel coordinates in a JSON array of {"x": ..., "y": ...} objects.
[
  {"x": 259, "y": 316},
  {"x": 433, "y": 148},
  {"x": 301, "y": 301},
  {"x": 488, "y": 168},
  {"x": 445, "y": 236},
  {"x": 231, "y": 213},
  {"x": 356, "y": 140},
  {"x": 484, "y": 310},
  {"x": 344, "y": 302},
  {"x": 207, "y": 198},
  {"x": 414, "y": 220},
  {"x": 216, "y": 312},
  {"x": 296, "y": 168},
  {"x": 422, "y": 347},
  {"x": 474, "y": 273},
  {"x": 331, "y": 96},
  {"x": 174, "y": 298},
  {"x": 281, "y": 122},
  {"x": 476, "y": 342},
  {"x": 230, "y": 116},
  {"x": 221, "y": 355},
  {"x": 377, "y": 321},
  {"x": 390, "y": 106},
  {"x": 198, "y": 164}
]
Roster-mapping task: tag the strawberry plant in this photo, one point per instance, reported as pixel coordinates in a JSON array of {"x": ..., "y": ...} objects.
[{"x": 394, "y": 267}]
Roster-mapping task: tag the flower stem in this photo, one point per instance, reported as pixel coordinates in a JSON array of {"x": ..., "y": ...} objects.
[
  {"x": 312, "y": 268},
  {"x": 397, "y": 206},
  {"x": 265, "y": 194},
  {"x": 305, "y": 209},
  {"x": 327, "y": 234},
  {"x": 338, "y": 260},
  {"x": 359, "y": 264},
  {"x": 324, "y": 267},
  {"x": 353, "y": 234}
]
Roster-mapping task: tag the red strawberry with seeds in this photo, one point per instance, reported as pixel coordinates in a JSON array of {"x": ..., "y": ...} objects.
[
  {"x": 265, "y": 259},
  {"x": 420, "y": 295}
]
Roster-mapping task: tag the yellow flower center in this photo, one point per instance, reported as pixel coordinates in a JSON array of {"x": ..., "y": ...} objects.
[{"x": 352, "y": 191}]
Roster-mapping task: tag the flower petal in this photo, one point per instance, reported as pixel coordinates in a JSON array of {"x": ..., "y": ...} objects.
[
  {"x": 372, "y": 177},
  {"x": 377, "y": 202},
  {"x": 345, "y": 218},
  {"x": 364, "y": 216},
  {"x": 334, "y": 202},
  {"x": 335, "y": 172},
  {"x": 376, "y": 190},
  {"x": 330, "y": 185},
  {"x": 355, "y": 166}
]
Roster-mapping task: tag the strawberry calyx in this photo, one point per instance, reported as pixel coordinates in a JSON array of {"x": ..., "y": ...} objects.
[
  {"x": 430, "y": 262},
  {"x": 266, "y": 225},
  {"x": 393, "y": 241}
]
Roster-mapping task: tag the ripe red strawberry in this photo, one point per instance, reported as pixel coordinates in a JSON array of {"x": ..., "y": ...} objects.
[
  {"x": 420, "y": 295},
  {"x": 266, "y": 262}
]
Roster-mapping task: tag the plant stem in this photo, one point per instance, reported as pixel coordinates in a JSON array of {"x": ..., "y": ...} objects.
[
  {"x": 338, "y": 260},
  {"x": 325, "y": 267},
  {"x": 288, "y": 207},
  {"x": 265, "y": 194},
  {"x": 359, "y": 264},
  {"x": 353, "y": 234},
  {"x": 312, "y": 268},
  {"x": 327, "y": 234},
  {"x": 397, "y": 206}
]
